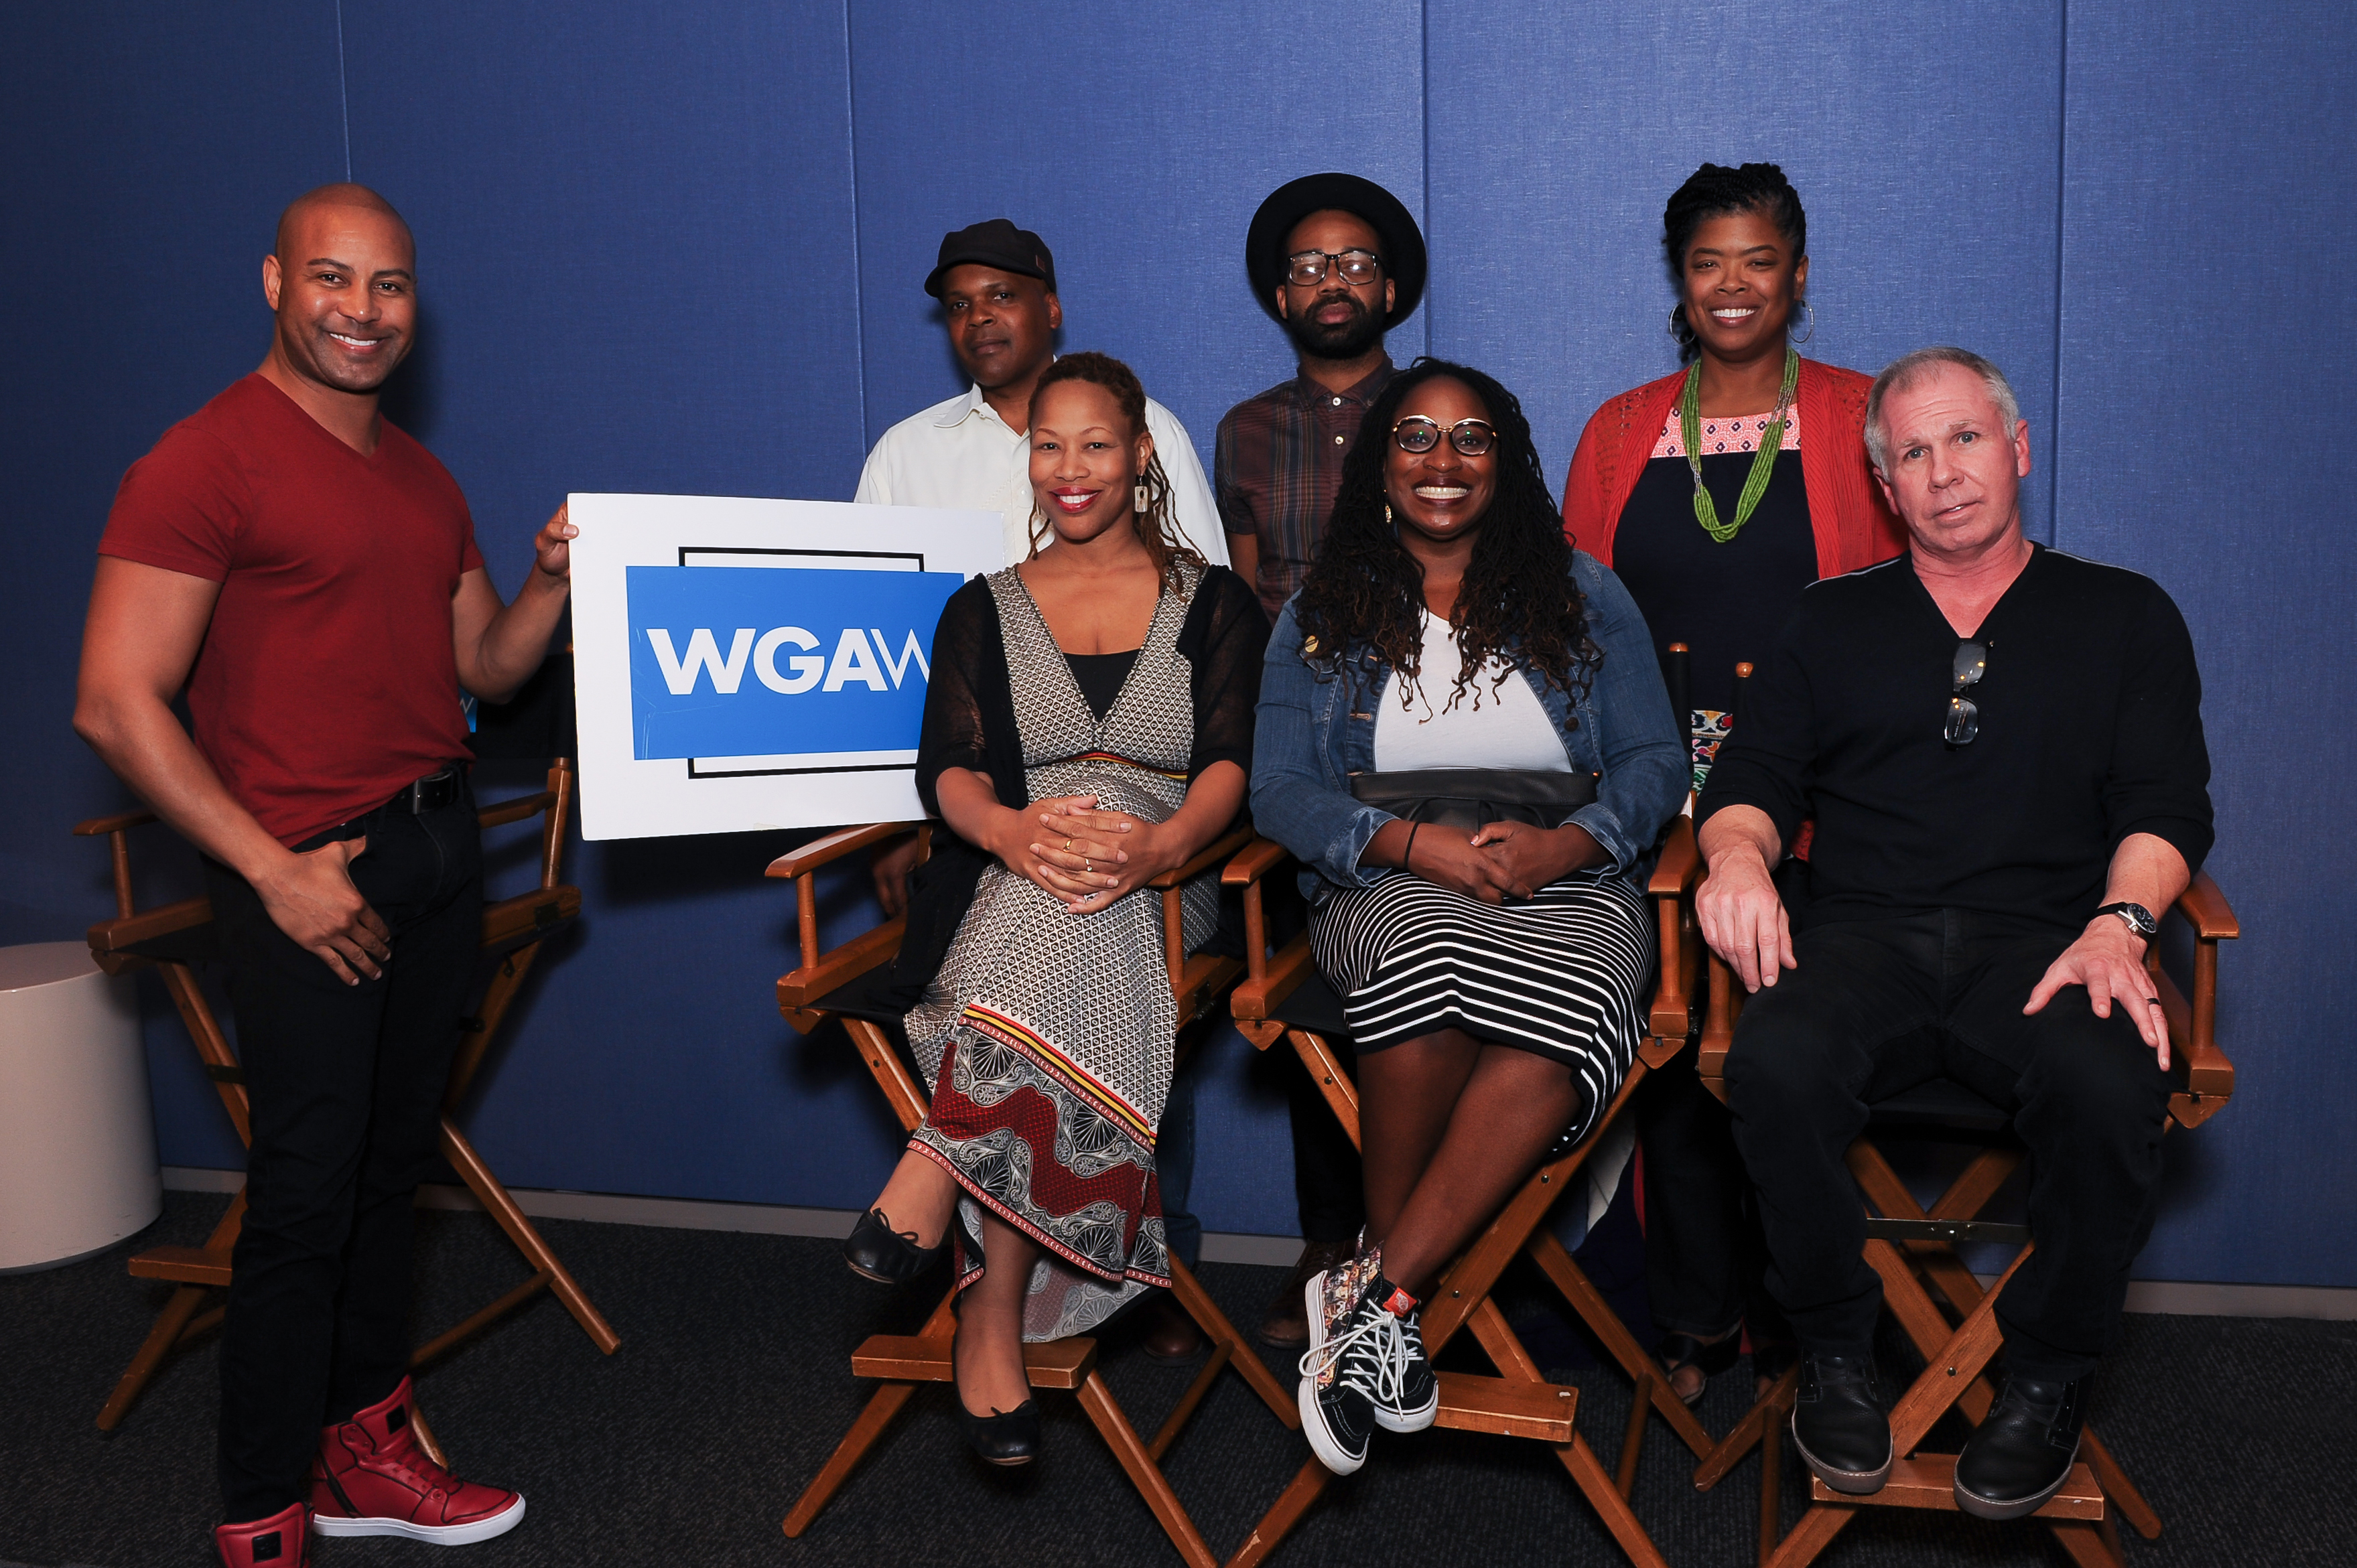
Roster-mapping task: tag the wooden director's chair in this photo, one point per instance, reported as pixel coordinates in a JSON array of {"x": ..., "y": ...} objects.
[
  {"x": 847, "y": 983},
  {"x": 1913, "y": 1249},
  {"x": 1284, "y": 998},
  {"x": 174, "y": 938}
]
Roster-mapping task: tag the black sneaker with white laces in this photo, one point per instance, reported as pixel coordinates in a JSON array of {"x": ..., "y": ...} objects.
[{"x": 1361, "y": 1369}]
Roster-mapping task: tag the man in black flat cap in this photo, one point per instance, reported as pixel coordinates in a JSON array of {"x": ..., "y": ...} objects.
[{"x": 1338, "y": 261}]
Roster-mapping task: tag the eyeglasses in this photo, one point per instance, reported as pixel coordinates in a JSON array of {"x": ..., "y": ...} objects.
[
  {"x": 1471, "y": 437},
  {"x": 1964, "y": 713},
  {"x": 1308, "y": 269}
]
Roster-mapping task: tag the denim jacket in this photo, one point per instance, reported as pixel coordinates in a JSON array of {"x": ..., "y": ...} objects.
[{"x": 1309, "y": 741}]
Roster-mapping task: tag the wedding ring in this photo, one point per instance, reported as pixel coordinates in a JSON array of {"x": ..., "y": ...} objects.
[
  {"x": 2152, "y": 1001},
  {"x": 1068, "y": 847}
]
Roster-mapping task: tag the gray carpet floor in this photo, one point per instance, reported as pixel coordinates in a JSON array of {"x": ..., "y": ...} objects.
[{"x": 731, "y": 1389}]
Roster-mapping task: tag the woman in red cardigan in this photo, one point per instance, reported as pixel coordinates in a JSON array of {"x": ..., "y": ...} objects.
[{"x": 1717, "y": 494}]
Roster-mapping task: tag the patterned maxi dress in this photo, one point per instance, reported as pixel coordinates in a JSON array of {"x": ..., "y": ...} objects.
[{"x": 1046, "y": 1038}]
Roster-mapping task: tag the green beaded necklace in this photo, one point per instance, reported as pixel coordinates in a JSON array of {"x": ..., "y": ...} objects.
[{"x": 1763, "y": 461}]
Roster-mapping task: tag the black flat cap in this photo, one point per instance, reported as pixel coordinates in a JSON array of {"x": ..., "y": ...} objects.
[
  {"x": 1403, "y": 242},
  {"x": 996, "y": 243}
]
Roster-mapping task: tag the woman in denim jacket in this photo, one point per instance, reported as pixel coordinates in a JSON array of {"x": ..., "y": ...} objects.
[{"x": 1490, "y": 979}]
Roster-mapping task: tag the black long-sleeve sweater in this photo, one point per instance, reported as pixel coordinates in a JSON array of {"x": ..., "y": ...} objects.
[{"x": 2090, "y": 731}]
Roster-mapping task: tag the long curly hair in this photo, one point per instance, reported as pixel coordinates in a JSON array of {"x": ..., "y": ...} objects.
[
  {"x": 1518, "y": 603},
  {"x": 1164, "y": 545}
]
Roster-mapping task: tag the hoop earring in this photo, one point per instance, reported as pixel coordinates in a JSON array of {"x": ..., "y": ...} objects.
[
  {"x": 1812, "y": 310},
  {"x": 1139, "y": 498},
  {"x": 1680, "y": 331}
]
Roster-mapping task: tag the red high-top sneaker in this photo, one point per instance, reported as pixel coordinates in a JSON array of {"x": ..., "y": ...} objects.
[
  {"x": 372, "y": 1478},
  {"x": 278, "y": 1542}
]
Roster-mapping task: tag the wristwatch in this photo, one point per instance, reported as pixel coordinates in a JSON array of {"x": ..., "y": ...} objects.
[{"x": 2139, "y": 919}]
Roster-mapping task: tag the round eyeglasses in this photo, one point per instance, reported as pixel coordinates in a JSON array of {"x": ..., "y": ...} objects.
[
  {"x": 1308, "y": 269},
  {"x": 1472, "y": 437}
]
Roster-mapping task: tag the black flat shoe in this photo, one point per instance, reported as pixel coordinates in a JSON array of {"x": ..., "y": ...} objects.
[
  {"x": 1709, "y": 1357},
  {"x": 2021, "y": 1453},
  {"x": 877, "y": 1252},
  {"x": 1838, "y": 1423},
  {"x": 1004, "y": 1437}
]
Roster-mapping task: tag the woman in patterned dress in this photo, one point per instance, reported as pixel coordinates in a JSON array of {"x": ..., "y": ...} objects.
[
  {"x": 1088, "y": 726},
  {"x": 1491, "y": 978}
]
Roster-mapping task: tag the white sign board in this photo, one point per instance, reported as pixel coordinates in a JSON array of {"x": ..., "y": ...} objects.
[{"x": 743, "y": 664}]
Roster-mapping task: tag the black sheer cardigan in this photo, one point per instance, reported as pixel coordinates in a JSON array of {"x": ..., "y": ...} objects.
[{"x": 970, "y": 723}]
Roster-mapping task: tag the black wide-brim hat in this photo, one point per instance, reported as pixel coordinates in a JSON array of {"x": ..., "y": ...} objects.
[{"x": 1393, "y": 225}]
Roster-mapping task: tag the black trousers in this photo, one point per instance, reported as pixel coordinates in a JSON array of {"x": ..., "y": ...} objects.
[
  {"x": 1706, "y": 1261},
  {"x": 346, "y": 1086},
  {"x": 1878, "y": 1006}
]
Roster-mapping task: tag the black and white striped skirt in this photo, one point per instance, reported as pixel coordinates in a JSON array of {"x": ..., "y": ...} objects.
[{"x": 1559, "y": 975}]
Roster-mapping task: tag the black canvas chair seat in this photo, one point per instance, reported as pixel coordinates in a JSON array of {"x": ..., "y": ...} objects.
[{"x": 1941, "y": 1102}]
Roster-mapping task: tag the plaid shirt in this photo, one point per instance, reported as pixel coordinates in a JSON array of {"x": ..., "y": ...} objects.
[{"x": 1276, "y": 468}]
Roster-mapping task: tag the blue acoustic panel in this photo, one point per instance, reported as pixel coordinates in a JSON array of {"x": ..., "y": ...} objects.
[
  {"x": 636, "y": 242},
  {"x": 1137, "y": 140},
  {"x": 1922, "y": 149},
  {"x": 2206, "y": 378},
  {"x": 150, "y": 148}
]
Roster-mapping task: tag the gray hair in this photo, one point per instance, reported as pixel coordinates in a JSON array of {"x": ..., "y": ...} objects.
[{"x": 1908, "y": 369}]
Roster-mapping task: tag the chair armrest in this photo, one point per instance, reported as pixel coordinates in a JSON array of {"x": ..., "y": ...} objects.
[
  {"x": 1210, "y": 855},
  {"x": 98, "y": 827},
  {"x": 1257, "y": 859},
  {"x": 2202, "y": 904},
  {"x": 834, "y": 846},
  {"x": 109, "y": 938},
  {"x": 1679, "y": 870},
  {"x": 515, "y": 810}
]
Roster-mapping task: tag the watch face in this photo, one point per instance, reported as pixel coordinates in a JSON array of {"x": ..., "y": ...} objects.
[{"x": 2136, "y": 915}]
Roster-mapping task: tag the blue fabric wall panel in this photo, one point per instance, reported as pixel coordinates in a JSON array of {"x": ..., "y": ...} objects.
[
  {"x": 1136, "y": 140},
  {"x": 636, "y": 232},
  {"x": 1557, "y": 133},
  {"x": 139, "y": 195},
  {"x": 2205, "y": 248}
]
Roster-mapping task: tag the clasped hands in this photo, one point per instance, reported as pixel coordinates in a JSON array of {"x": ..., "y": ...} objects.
[
  {"x": 1501, "y": 861},
  {"x": 1084, "y": 855}
]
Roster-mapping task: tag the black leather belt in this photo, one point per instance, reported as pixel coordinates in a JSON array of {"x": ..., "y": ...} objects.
[{"x": 431, "y": 793}]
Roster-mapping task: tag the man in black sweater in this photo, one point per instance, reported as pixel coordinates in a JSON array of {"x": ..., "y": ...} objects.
[{"x": 2001, "y": 747}]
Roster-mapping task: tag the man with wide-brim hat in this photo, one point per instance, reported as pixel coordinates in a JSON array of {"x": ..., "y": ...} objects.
[{"x": 1338, "y": 261}]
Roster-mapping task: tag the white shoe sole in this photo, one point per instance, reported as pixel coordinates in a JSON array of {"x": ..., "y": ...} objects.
[
  {"x": 1410, "y": 1420},
  {"x": 500, "y": 1523},
  {"x": 1849, "y": 1483},
  {"x": 1979, "y": 1506}
]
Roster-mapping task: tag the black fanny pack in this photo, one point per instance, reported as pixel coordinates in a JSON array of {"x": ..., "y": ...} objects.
[{"x": 1472, "y": 798}]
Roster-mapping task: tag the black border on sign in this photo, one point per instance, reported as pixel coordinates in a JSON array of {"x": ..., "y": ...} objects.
[{"x": 918, "y": 556}]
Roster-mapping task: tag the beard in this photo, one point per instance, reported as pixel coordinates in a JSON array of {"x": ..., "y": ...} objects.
[{"x": 1344, "y": 340}]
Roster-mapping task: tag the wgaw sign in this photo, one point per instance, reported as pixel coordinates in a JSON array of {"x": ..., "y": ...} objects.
[{"x": 747, "y": 665}]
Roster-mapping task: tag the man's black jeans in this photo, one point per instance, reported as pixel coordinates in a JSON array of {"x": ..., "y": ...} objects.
[
  {"x": 346, "y": 1086},
  {"x": 1879, "y": 1007}
]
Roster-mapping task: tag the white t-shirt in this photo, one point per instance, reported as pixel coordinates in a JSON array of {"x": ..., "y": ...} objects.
[
  {"x": 1509, "y": 730},
  {"x": 960, "y": 453}
]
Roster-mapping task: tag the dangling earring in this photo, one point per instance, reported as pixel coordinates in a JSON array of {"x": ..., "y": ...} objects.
[
  {"x": 1387, "y": 515},
  {"x": 1138, "y": 497},
  {"x": 1811, "y": 311}
]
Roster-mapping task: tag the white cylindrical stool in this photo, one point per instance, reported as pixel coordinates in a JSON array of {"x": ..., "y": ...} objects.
[{"x": 78, "y": 1167}]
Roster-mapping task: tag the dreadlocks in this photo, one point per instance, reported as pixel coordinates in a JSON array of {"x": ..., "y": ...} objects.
[
  {"x": 1165, "y": 546},
  {"x": 1518, "y": 602}
]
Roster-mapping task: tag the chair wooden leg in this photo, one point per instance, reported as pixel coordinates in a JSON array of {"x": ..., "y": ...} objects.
[
  {"x": 2118, "y": 1487},
  {"x": 1596, "y": 1486},
  {"x": 1771, "y": 1483},
  {"x": 1747, "y": 1434},
  {"x": 882, "y": 1406},
  {"x": 501, "y": 1207},
  {"x": 1632, "y": 1439},
  {"x": 1105, "y": 1416},
  {"x": 425, "y": 1438},
  {"x": 160, "y": 1342},
  {"x": 2086, "y": 1542},
  {"x": 1216, "y": 1327},
  {"x": 1548, "y": 1252},
  {"x": 1283, "y": 1515}
]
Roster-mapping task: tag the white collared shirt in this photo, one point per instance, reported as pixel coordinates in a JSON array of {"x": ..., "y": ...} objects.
[{"x": 960, "y": 453}]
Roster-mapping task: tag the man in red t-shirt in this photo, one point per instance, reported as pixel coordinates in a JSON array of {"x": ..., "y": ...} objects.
[{"x": 308, "y": 574}]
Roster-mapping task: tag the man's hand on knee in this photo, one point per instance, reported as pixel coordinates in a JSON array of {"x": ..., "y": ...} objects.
[
  {"x": 1741, "y": 916},
  {"x": 2108, "y": 960},
  {"x": 314, "y": 902}
]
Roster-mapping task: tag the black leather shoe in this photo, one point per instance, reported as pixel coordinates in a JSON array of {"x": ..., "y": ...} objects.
[
  {"x": 1838, "y": 1423},
  {"x": 877, "y": 1252},
  {"x": 2021, "y": 1453},
  {"x": 1004, "y": 1437}
]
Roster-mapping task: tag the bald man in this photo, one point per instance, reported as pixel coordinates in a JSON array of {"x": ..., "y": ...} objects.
[{"x": 306, "y": 573}]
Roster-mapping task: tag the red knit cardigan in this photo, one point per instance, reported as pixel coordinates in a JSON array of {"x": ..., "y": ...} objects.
[{"x": 1853, "y": 526}]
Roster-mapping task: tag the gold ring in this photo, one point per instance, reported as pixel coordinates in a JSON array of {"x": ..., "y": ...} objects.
[{"x": 1068, "y": 847}]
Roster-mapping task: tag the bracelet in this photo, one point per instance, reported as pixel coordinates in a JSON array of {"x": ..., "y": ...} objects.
[{"x": 1405, "y": 853}]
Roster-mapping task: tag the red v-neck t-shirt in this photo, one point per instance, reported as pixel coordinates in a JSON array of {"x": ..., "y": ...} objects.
[{"x": 326, "y": 680}]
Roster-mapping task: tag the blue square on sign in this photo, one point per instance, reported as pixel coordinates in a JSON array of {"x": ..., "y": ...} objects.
[{"x": 760, "y": 661}]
